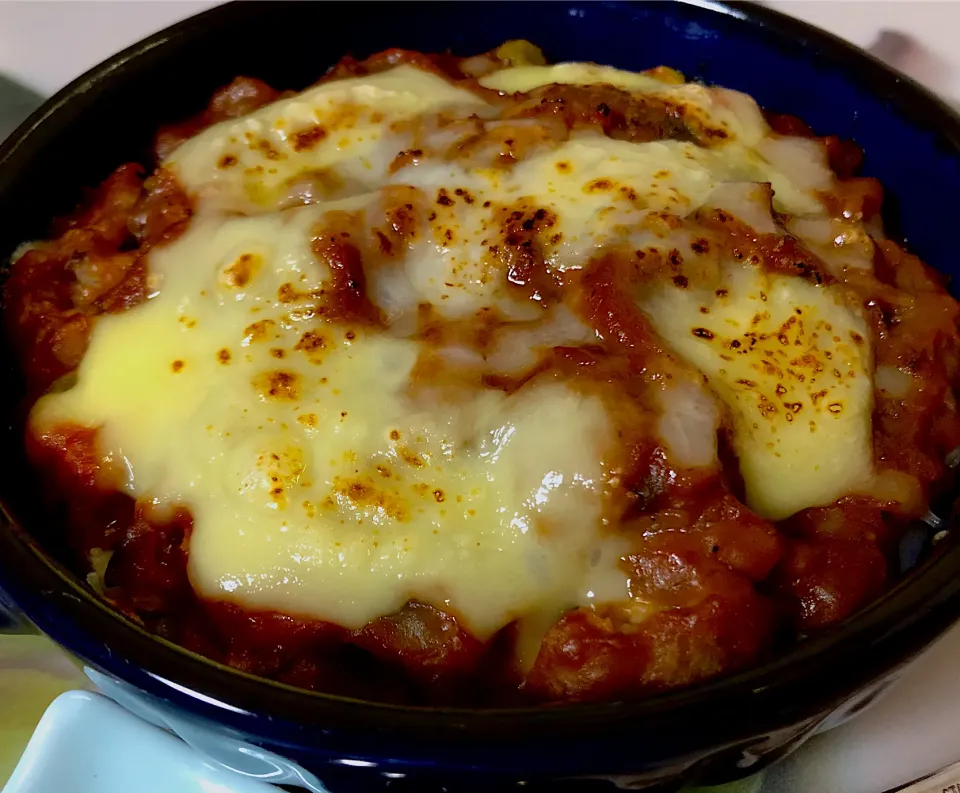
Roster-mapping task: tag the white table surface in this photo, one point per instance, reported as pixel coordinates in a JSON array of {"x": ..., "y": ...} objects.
[{"x": 915, "y": 729}]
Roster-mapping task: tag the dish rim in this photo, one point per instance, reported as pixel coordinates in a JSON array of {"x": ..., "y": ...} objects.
[{"x": 890, "y": 624}]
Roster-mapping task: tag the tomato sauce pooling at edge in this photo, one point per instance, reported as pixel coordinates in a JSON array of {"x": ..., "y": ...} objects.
[{"x": 471, "y": 381}]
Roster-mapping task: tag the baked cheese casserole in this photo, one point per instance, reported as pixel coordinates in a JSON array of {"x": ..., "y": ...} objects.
[{"x": 485, "y": 381}]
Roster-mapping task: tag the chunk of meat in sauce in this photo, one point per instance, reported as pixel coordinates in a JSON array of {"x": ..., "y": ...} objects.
[
  {"x": 101, "y": 221},
  {"x": 53, "y": 344},
  {"x": 52, "y": 286},
  {"x": 836, "y": 560},
  {"x": 56, "y": 288},
  {"x": 590, "y": 656},
  {"x": 915, "y": 323},
  {"x": 429, "y": 645},
  {"x": 73, "y": 470},
  {"x": 713, "y": 525},
  {"x": 266, "y": 642},
  {"x": 857, "y": 518},
  {"x": 697, "y": 617},
  {"x": 148, "y": 569},
  {"x": 69, "y": 456},
  {"x": 163, "y": 210},
  {"x": 828, "y": 579}
]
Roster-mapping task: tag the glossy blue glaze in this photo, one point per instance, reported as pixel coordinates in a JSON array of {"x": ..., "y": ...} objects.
[{"x": 911, "y": 143}]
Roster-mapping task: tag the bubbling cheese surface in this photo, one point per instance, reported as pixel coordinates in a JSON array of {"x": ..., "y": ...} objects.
[{"x": 338, "y": 468}]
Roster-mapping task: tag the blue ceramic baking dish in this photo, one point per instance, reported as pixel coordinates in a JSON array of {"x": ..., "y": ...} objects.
[{"x": 713, "y": 731}]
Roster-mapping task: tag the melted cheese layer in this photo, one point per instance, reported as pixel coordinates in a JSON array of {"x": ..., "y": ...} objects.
[
  {"x": 343, "y": 134},
  {"x": 318, "y": 485},
  {"x": 323, "y": 480}
]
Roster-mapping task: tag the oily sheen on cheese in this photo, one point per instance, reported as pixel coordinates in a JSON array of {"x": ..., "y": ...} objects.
[{"x": 328, "y": 476}]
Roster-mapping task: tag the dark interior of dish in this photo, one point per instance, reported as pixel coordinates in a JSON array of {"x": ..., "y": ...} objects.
[{"x": 92, "y": 136}]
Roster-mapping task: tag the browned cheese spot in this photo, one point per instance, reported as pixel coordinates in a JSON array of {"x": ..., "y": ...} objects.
[
  {"x": 402, "y": 218},
  {"x": 816, "y": 397},
  {"x": 258, "y": 331},
  {"x": 238, "y": 274},
  {"x": 267, "y": 149},
  {"x": 598, "y": 186},
  {"x": 411, "y": 458},
  {"x": 700, "y": 246},
  {"x": 287, "y": 293},
  {"x": 313, "y": 344},
  {"x": 364, "y": 491},
  {"x": 306, "y": 139},
  {"x": 766, "y": 407},
  {"x": 277, "y": 385}
]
